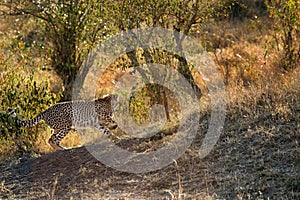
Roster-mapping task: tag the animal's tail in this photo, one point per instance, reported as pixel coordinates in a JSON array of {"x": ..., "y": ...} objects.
[{"x": 25, "y": 123}]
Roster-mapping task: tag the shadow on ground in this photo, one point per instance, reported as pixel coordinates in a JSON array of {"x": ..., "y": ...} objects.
[{"x": 77, "y": 174}]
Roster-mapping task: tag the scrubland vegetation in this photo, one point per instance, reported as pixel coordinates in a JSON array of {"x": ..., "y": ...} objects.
[{"x": 255, "y": 45}]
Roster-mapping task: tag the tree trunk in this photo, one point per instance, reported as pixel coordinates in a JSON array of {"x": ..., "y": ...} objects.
[{"x": 64, "y": 61}]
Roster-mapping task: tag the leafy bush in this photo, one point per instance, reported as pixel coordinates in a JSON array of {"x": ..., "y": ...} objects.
[
  {"x": 19, "y": 90},
  {"x": 287, "y": 22},
  {"x": 72, "y": 27}
]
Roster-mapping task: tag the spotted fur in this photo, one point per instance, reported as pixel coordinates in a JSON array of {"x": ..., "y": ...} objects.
[{"x": 61, "y": 117}]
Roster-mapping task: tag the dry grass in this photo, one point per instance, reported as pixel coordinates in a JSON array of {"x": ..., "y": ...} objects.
[{"x": 256, "y": 157}]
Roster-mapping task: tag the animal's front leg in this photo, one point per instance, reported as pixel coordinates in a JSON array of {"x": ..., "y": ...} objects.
[{"x": 103, "y": 129}]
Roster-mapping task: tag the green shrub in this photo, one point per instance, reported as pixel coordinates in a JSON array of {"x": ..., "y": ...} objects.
[
  {"x": 287, "y": 22},
  {"x": 19, "y": 90}
]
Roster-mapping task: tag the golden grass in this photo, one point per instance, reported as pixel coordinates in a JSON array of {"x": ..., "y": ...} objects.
[{"x": 255, "y": 158}]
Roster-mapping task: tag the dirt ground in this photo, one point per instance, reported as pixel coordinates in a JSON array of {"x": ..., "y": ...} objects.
[{"x": 259, "y": 159}]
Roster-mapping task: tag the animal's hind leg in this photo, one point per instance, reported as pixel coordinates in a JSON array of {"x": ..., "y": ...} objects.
[{"x": 56, "y": 138}]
